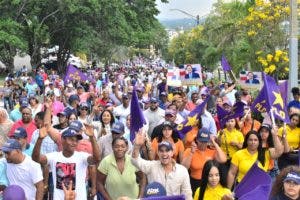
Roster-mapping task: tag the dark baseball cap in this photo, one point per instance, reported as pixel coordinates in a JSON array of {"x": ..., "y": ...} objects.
[
  {"x": 203, "y": 135},
  {"x": 20, "y": 133},
  {"x": 155, "y": 189},
  {"x": 293, "y": 176},
  {"x": 62, "y": 114},
  {"x": 74, "y": 97},
  {"x": 76, "y": 125},
  {"x": 11, "y": 144},
  {"x": 71, "y": 133}
]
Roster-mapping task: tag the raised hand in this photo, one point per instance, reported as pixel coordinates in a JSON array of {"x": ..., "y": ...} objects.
[
  {"x": 89, "y": 130},
  {"x": 68, "y": 192},
  {"x": 43, "y": 132},
  {"x": 139, "y": 138}
]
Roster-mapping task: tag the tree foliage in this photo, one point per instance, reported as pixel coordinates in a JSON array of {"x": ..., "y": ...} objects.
[
  {"x": 238, "y": 30},
  {"x": 94, "y": 27}
]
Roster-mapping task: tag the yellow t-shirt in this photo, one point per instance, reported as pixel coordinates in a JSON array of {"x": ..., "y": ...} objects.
[
  {"x": 231, "y": 136},
  {"x": 244, "y": 161},
  {"x": 213, "y": 193},
  {"x": 292, "y": 136}
]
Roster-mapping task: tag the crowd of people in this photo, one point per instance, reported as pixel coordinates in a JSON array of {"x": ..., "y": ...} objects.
[{"x": 71, "y": 139}]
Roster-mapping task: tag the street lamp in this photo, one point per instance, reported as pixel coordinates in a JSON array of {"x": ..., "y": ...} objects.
[
  {"x": 293, "y": 48},
  {"x": 197, "y": 17}
]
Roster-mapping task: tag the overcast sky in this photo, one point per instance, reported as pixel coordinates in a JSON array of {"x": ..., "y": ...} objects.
[{"x": 193, "y": 7}]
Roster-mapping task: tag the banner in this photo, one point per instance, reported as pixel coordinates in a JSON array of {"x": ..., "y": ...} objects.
[
  {"x": 189, "y": 74},
  {"x": 74, "y": 74}
]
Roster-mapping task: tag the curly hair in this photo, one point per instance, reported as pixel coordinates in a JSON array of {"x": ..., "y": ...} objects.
[{"x": 278, "y": 184}]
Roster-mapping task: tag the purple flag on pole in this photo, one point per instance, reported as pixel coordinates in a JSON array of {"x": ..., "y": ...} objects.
[
  {"x": 270, "y": 99},
  {"x": 137, "y": 119},
  {"x": 283, "y": 88},
  {"x": 192, "y": 119},
  {"x": 225, "y": 65},
  {"x": 74, "y": 73},
  {"x": 254, "y": 180},
  {"x": 236, "y": 111}
]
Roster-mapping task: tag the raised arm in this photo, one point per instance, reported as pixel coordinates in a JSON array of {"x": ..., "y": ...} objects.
[
  {"x": 278, "y": 147},
  {"x": 95, "y": 158},
  {"x": 36, "y": 156},
  {"x": 186, "y": 161},
  {"x": 220, "y": 156}
]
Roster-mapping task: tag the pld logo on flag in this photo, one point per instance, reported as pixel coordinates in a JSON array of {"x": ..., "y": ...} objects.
[{"x": 270, "y": 100}]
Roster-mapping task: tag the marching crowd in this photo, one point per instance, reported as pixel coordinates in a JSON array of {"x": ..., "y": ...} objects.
[{"x": 67, "y": 140}]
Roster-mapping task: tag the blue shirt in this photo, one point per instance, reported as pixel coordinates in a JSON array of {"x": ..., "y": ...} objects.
[
  {"x": 15, "y": 115},
  {"x": 3, "y": 177},
  {"x": 29, "y": 149},
  {"x": 294, "y": 103},
  {"x": 209, "y": 122}
]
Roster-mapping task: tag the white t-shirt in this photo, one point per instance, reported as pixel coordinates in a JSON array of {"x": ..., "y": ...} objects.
[
  {"x": 66, "y": 169},
  {"x": 25, "y": 174}
]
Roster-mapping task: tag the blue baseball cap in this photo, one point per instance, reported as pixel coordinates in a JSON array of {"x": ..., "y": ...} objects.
[
  {"x": 293, "y": 176},
  {"x": 20, "y": 133},
  {"x": 84, "y": 105},
  {"x": 203, "y": 135},
  {"x": 11, "y": 144},
  {"x": 71, "y": 133},
  {"x": 118, "y": 128},
  {"x": 14, "y": 192},
  {"x": 155, "y": 189},
  {"x": 76, "y": 125},
  {"x": 24, "y": 104},
  {"x": 74, "y": 97}
]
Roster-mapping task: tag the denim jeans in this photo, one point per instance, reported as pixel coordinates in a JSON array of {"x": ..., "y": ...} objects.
[{"x": 8, "y": 103}]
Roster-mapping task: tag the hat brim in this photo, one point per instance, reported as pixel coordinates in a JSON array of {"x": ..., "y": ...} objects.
[
  {"x": 6, "y": 149},
  {"x": 291, "y": 179},
  {"x": 164, "y": 145},
  {"x": 114, "y": 131},
  {"x": 78, "y": 136}
]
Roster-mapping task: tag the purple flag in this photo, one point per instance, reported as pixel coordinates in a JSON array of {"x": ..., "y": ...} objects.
[
  {"x": 256, "y": 180},
  {"x": 192, "y": 119},
  {"x": 270, "y": 99},
  {"x": 137, "y": 119},
  {"x": 176, "y": 197},
  {"x": 225, "y": 65},
  {"x": 74, "y": 73},
  {"x": 283, "y": 88},
  {"x": 236, "y": 111}
]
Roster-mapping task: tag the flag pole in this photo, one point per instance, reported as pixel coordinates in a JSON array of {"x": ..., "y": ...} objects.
[{"x": 272, "y": 117}]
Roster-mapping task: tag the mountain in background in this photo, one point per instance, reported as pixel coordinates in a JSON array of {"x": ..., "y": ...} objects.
[{"x": 178, "y": 24}]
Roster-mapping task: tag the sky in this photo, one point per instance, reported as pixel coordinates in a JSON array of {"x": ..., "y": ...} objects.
[{"x": 193, "y": 7}]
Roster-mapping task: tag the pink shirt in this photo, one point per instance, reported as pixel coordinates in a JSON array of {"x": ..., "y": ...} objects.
[
  {"x": 84, "y": 97},
  {"x": 30, "y": 128},
  {"x": 57, "y": 107}
]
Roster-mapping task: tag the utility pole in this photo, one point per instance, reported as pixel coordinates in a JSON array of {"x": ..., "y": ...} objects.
[
  {"x": 293, "y": 48},
  {"x": 197, "y": 17}
]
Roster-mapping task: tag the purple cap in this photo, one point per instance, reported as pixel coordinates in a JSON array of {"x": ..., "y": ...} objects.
[
  {"x": 292, "y": 176},
  {"x": 11, "y": 144},
  {"x": 14, "y": 192},
  {"x": 20, "y": 133}
]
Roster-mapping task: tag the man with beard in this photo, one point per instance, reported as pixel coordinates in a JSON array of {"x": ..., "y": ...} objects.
[
  {"x": 26, "y": 122},
  {"x": 23, "y": 171},
  {"x": 63, "y": 121},
  {"x": 154, "y": 115},
  {"x": 174, "y": 177}
]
